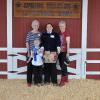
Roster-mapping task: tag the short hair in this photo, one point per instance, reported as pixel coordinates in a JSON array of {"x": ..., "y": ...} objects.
[
  {"x": 49, "y": 24},
  {"x": 35, "y": 21},
  {"x": 62, "y": 22}
]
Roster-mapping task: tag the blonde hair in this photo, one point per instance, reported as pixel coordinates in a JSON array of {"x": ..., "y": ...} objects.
[{"x": 35, "y": 22}]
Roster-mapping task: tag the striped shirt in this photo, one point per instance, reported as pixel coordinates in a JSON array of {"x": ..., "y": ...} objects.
[{"x": 30, "y": 37}]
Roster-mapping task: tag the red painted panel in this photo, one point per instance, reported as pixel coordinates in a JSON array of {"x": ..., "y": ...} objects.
[
  {"x": 3, "y": 67},
  {"x": 21, "y": 63},
  {"x": 93, "y": 35},
  {"x": 93, "y": 56},
  {"x": 3, "y": 76},
  {"x": 3, "y": 35},
  {"x": 94, "y": 24},
  {"x": 72, "y": 64},
  {"x": 93, "y": 67},
  {"x": 3, "y": 55},
  {"x": 93, "y": 76},
  {"x": 3, "y": 24}
]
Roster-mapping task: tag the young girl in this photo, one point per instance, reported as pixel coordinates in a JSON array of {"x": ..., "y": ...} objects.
[
  {"x": 51, "y": 43},
  {"x": 37, "y": 61}
]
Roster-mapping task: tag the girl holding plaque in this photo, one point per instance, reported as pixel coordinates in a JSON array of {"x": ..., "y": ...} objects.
[{"x": 50, "y": 41}]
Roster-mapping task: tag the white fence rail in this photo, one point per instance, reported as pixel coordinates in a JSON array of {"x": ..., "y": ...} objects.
[{"x": 76, "y": 57}]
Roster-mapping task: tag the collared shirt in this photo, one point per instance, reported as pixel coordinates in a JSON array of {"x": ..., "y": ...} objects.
[{"x": 50, "y": 41}]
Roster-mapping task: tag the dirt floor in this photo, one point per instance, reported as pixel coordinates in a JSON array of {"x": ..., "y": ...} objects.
[{"x": 74, "y": 90}]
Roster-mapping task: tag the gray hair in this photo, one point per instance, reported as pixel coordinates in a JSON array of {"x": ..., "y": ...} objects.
[
  {"x": 34, "y": 22},
  {"x": 62, "y": 22}
]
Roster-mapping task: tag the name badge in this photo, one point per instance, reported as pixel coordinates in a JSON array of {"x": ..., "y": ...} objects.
[
  {"x": 52, "y": 36},
  {"x": 38, "y": 34}
]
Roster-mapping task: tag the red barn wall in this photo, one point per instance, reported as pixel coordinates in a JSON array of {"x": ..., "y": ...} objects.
[
  {"x": 93, "y": 35},
  {"x": 22, "y": 25},
  {"x": 3, "y": 36},
  {"x": 3, "y": 24}
]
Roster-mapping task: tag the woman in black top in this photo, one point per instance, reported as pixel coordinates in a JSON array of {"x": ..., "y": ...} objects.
[{"x": 51, "y": 43}]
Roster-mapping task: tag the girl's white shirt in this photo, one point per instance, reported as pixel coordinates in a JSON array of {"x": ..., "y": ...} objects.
[{"x": 39, "y": 58}]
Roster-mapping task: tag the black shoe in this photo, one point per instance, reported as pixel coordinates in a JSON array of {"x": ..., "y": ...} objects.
[{"x": 47, "y": 83}]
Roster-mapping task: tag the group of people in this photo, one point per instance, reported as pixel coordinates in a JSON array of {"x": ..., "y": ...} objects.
[{"x": 43, "y": 51}]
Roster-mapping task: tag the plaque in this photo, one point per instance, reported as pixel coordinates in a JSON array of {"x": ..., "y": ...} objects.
[{"x": 46, "y": 9}]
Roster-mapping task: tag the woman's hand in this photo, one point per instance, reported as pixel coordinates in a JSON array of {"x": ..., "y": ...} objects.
[
  {"x": 58, "y": 50},
  {"x": 67, "y": 55}
]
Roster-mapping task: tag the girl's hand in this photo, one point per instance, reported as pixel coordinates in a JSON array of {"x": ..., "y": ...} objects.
[
  {"x": 41, "y": 50},
  {"x": 27, "y": 61}
]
